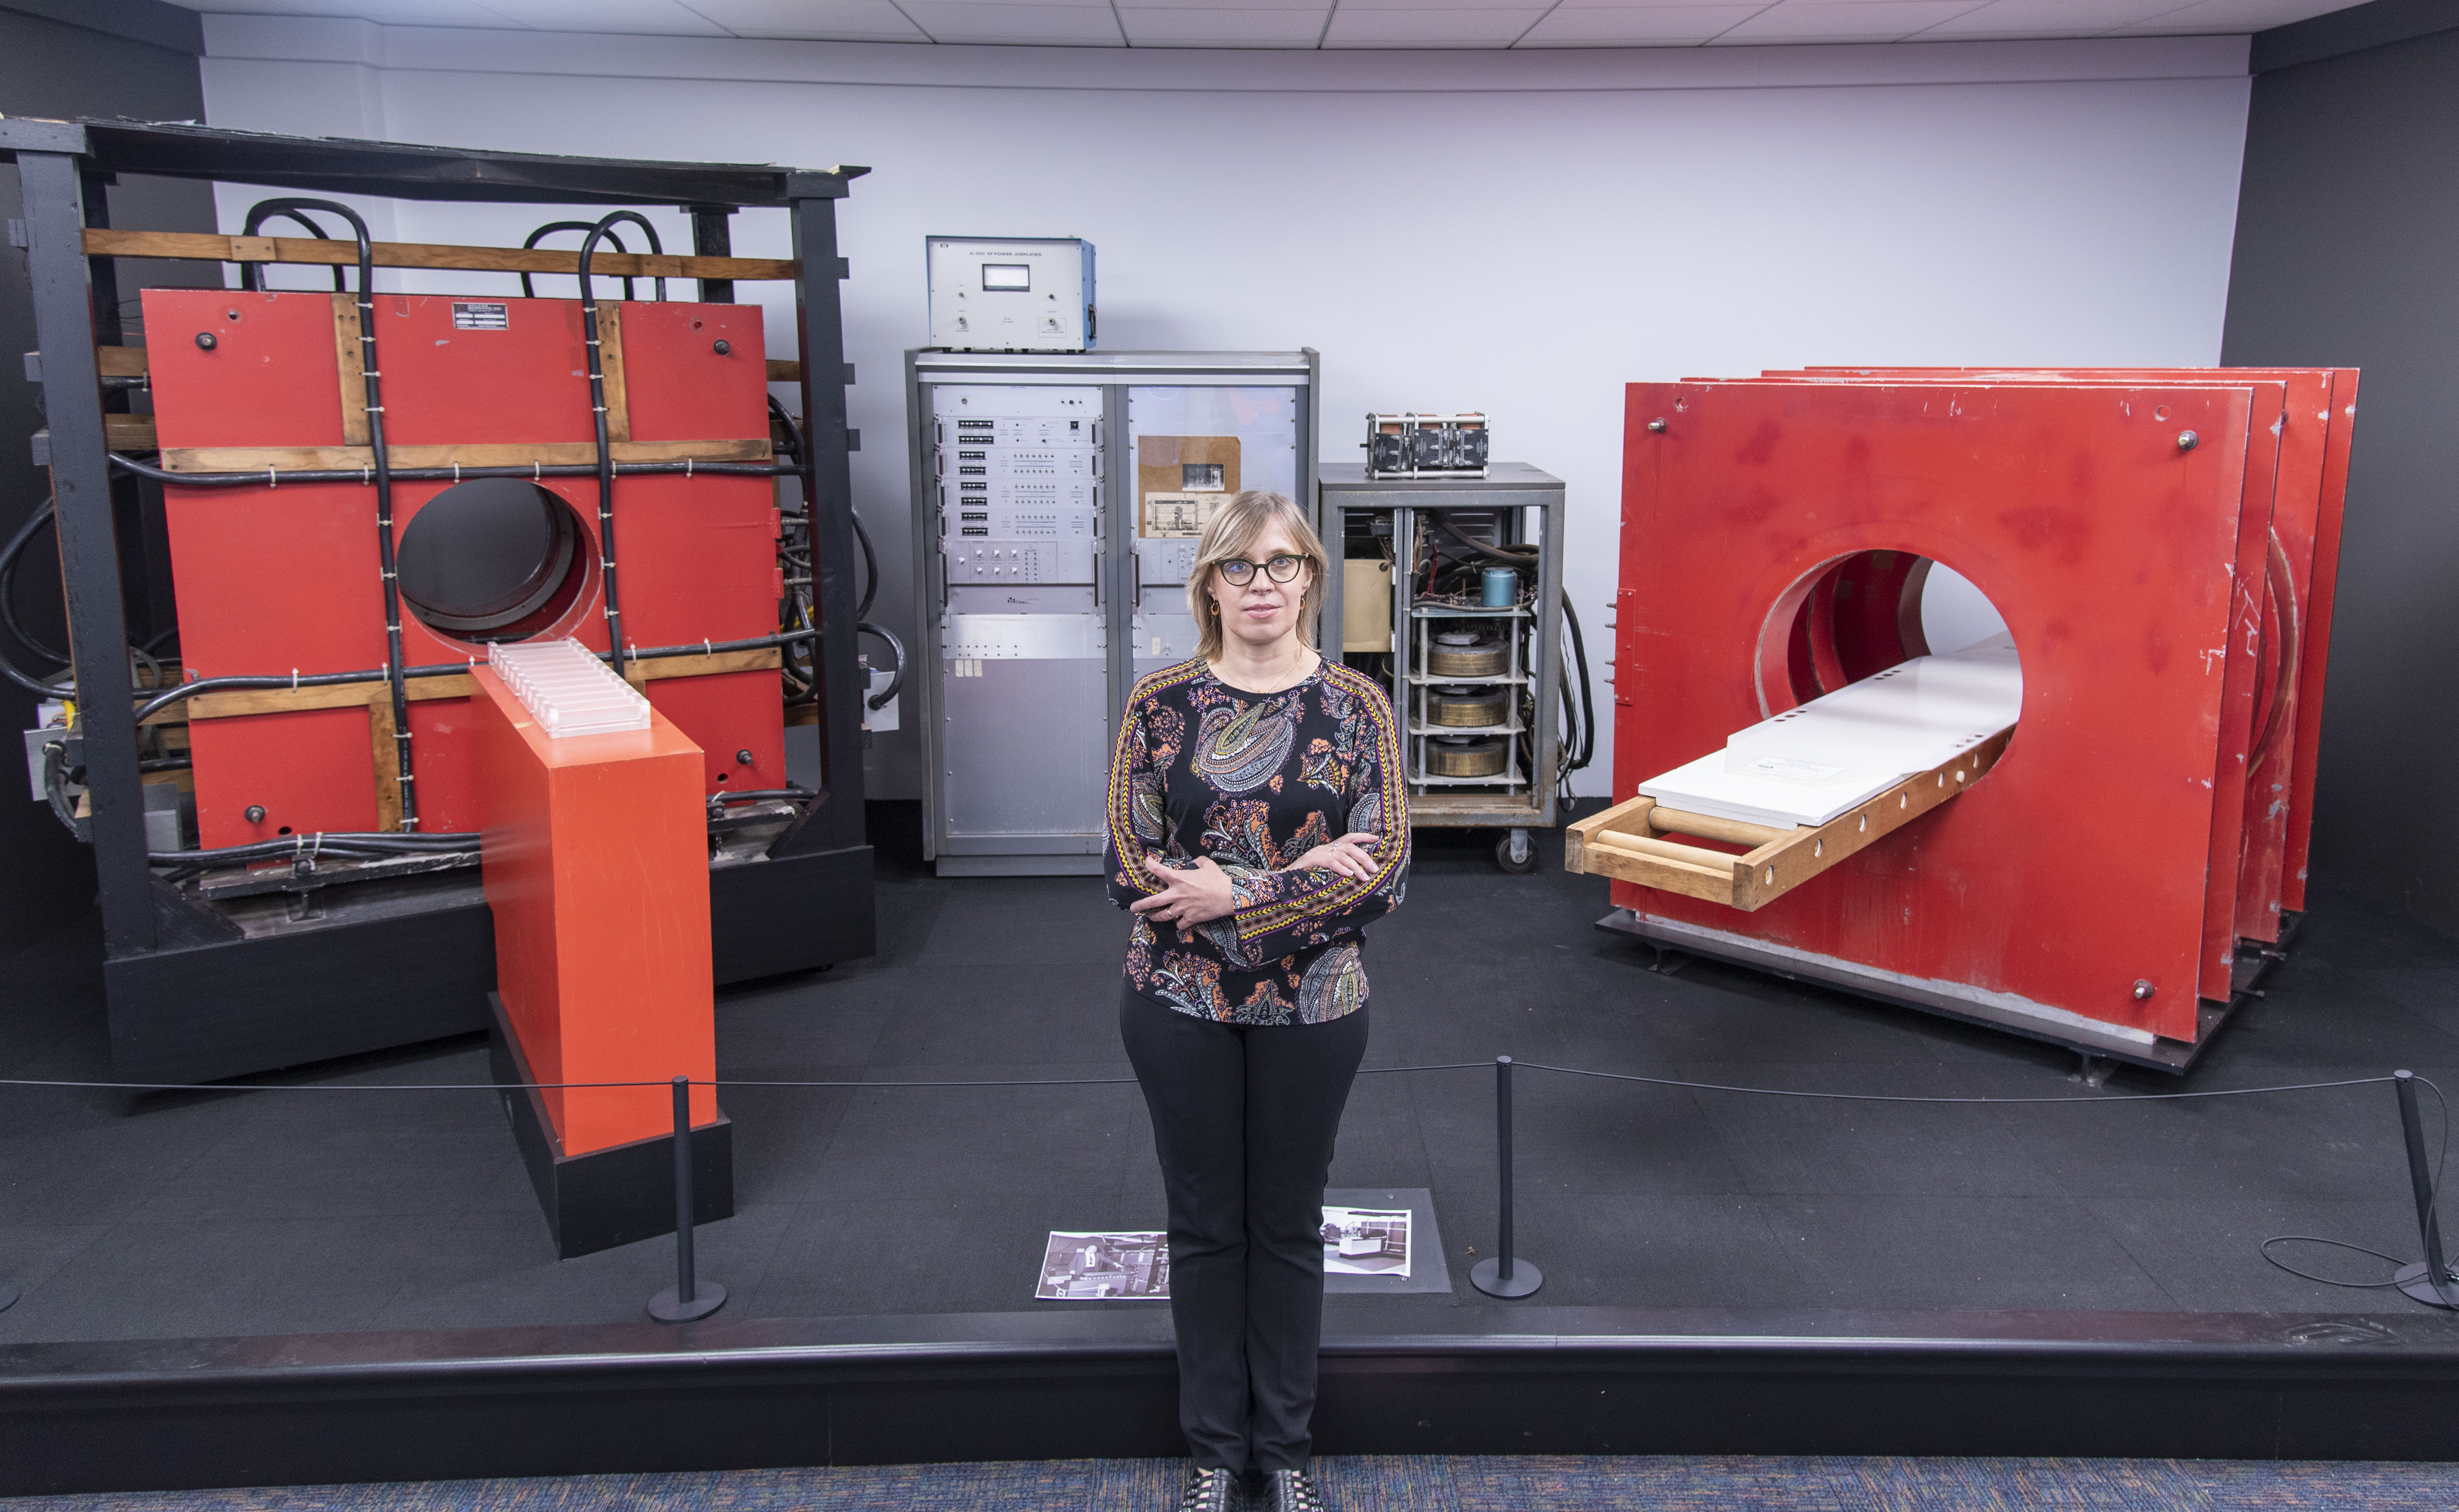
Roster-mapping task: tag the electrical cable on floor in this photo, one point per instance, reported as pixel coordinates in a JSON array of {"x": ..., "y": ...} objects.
[{"x": 2433, "y": 1204}]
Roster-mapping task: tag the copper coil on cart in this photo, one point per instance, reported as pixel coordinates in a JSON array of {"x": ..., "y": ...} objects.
[
  {"x": 1471, "y": 708},
  {"x": 1466, "y": 653},
  {"x": 1468, "y": 755}
]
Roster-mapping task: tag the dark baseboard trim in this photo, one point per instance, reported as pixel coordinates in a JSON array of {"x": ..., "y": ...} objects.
[
  {"x": 1076, "y": 1382},
  {"x": 608, "y": 1197}
]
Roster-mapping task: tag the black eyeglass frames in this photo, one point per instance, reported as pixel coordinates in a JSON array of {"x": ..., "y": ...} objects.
[{"x": 1281, "y": 569}]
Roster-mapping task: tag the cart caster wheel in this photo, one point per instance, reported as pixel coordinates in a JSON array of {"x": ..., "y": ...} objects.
[{"x": 1515, "y": 851}]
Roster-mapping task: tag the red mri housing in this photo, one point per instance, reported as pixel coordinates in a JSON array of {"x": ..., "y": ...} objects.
[
  {"x": 284, "y": 577},
  {"x": 2162, "y": 545}
]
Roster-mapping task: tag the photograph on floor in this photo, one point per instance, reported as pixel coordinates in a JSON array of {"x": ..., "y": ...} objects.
[
  {"x": 1104, "y": 1267},
  {"x": 1357, "y": 1241}
]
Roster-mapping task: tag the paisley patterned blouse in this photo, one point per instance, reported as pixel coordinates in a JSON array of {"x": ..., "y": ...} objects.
[{"x": 1254, "y": 781}]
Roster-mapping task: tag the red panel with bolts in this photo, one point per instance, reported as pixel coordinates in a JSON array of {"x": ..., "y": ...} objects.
[
  {"x": 275, "y": 578},
  {"x": 2317, "y": 422},
  {"x": 2081, "y": 865}
]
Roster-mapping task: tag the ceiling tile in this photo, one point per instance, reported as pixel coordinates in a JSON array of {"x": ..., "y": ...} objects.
[
  {"x": 1218, "y": 26},
  {"x": 411, "y": 13},
  {"x": 1038, "y": 25},
  {"x": 661, "y": 17},
  {"x": 238, "y": 7},
  {"x": 1845, "y": 20},
  {"x": 1642, "y": 26},
  {"x": 822, "y": 20},
  {"x": 1532, "y": 8},
  {"x": 2042, "y": 18},
  {"x": 2235, "y": 15},
  {"x": 1353, "y": 27}
]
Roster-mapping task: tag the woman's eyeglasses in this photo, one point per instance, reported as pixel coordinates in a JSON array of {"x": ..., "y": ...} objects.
[{"x": 1236, "y": 571}]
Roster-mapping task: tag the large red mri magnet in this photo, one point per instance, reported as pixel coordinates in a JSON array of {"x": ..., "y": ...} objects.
[{"x": 2069, "y": 893}]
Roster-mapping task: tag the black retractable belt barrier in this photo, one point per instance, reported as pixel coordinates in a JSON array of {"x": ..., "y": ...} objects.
[
  {"x": 691, "y": 1299},
  {"x": 2430, "y": 1281},
  {"x": 1504, "y": 1275}
]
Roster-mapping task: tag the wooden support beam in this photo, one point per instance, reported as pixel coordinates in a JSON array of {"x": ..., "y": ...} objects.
[
  {"x": 128, "y": 432},
  {"x": 381, "y": 730},
  {"x": 129, "y": 362},
  {"x": 451, "y": 686},
  {"x": 610, "y": 364},
  {"x": 350, "y": 359},
  {"x": 510, "y": 454},
  {"x": 210, "y": 247}
]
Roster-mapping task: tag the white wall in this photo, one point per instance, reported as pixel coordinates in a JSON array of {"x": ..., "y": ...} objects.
[{"x": 1516, "y": 232}]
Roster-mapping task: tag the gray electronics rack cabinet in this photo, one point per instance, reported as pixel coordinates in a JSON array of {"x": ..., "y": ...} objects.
[
  {"x": 1056, "y": 498},
  {"x": 1506, "y": 708}
]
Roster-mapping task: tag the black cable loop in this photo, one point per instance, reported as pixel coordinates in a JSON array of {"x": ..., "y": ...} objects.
[
  {"x": 549, "y": 229},
  {"x": 9, "y": 557},
  {"x": 897, "y": 680},
  {"x": 251, "y": 275}
]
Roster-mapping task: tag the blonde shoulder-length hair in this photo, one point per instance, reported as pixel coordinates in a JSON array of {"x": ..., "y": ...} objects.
[{"x": 1233, "y": 529}]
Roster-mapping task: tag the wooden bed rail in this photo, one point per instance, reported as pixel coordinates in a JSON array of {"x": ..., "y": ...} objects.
[{"x": 1622, "y": 842}]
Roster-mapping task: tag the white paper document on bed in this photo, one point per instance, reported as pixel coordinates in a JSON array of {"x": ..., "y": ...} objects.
[{"x": 1809, "y": 764}]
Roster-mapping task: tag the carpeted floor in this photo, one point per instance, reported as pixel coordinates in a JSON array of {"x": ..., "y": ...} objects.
[{"x": 1413, "y": 1484}]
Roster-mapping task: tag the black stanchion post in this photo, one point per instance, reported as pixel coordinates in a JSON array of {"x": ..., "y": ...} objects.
[
  {"x": 1504, "y": 1275},
  {"x": 2428, "y": 1282},
  {"x": 691, "y": 1299}
]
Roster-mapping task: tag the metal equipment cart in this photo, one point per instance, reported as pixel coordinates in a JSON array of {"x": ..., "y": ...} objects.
[{"x": 1476, "y": 684}]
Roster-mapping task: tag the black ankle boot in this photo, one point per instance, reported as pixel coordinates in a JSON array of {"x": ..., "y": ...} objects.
[
  {"x": 1293, "y": 1491},
  {"x": 1210, "y": 1490}
]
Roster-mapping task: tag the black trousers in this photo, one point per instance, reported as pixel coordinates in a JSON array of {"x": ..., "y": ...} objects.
[{"x": 1244, "y": 1117}]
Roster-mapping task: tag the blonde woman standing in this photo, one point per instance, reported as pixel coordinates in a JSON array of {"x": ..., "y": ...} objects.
[{"x": 1257, "y": 824}]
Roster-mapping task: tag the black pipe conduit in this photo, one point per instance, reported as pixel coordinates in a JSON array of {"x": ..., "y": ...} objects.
[
  {"x": 251, "y": 275},
  {"x": 657, "y": 248},
  {"x": 551, "y": 227},
  {"x": 593, "y": 347},
  {"x": 897, "y": 680},
  {"x": 9, "y": 556},
  {"x": 381, "y": 476}
]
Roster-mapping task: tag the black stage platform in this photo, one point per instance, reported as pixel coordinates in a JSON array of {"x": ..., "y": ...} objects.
[{"x": 1723, "y": 1273}]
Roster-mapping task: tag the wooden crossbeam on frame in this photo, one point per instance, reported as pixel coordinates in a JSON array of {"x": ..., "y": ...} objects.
[{"x": 199, "y": 246}]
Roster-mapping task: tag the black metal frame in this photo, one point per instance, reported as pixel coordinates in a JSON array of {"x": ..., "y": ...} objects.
[{"x": 190, "y": 998}]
